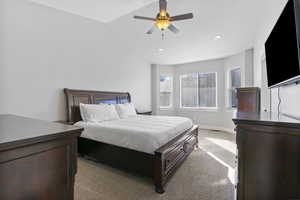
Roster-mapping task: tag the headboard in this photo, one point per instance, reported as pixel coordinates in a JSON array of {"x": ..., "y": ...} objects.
[{"x": 75, "y": 97}]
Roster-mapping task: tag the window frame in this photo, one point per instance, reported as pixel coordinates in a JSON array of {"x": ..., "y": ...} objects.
[
  {"x": 172, "y": 92},
  {"x": 198, "y": 107},
  {"x": 229, "y": 84}
]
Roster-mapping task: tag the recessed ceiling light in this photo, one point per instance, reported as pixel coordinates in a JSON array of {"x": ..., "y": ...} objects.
[
  {"x": 160, "y": 50},
  {"x": 218, "y": 37}
]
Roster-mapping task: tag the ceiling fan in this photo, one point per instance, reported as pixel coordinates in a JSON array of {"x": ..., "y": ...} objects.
[{"x": 163, "y": 19}]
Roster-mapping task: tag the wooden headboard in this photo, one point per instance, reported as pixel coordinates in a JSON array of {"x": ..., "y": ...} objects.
[{"x": 75, "y": 97}]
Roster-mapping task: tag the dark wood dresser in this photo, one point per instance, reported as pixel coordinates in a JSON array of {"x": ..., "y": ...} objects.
[
  {"x": 268, "y": 156},
  {"x": 38, "y": 159}
]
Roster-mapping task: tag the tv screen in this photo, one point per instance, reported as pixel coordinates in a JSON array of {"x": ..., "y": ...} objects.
[{"x": 282, "y": 49}]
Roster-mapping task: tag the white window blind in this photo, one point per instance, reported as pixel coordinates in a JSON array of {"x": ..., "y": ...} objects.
[
  {"x": 198, "y": 90},
  {"x": 234, "y": 82},
  {"x": 166, "y": 88}
]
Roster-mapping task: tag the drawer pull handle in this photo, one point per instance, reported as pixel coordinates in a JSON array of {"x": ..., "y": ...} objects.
[{"x": 185, "y": 146}]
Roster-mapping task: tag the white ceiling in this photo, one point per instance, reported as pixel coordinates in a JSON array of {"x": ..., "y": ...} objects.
[
  {"x": 101, "y": 10},
  {"x": 235, "y": 20}
]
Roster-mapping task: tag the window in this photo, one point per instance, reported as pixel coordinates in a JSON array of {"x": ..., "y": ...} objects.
[
  {"x": 165, "y": 89},
  {"x": 199, "y": 90},
  {"x": 234, "y": 82}
]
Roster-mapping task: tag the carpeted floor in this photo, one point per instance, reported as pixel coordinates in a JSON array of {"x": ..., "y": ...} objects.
[{"x": 207, "y": 174}]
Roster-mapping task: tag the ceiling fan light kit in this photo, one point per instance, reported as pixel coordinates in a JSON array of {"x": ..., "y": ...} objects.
[{"x": 163, "y": 19}]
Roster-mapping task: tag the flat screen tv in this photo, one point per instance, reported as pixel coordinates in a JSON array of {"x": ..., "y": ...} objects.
[{"x": 282, "y": 47}]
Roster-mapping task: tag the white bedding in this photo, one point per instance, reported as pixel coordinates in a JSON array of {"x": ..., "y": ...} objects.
[{"x": 142, "y": 133}]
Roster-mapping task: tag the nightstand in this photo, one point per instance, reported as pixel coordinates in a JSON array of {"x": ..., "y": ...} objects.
[
  {"x": 63, "y": 122},
  {"x": 144, "y": 112}
]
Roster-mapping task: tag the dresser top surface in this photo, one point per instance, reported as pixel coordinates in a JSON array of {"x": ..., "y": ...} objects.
[
  {"x": 266, "y": 118},
  {"x": 16, "y": 129}
]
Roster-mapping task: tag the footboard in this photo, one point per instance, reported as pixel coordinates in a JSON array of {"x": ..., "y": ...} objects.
[{"x": 170, "y": 156}]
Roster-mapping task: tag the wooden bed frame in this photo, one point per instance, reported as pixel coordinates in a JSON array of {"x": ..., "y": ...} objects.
[{"x": 160, "y": 166}]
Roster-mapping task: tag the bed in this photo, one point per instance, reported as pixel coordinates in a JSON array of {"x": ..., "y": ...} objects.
[{"x": 134, "y": 144}]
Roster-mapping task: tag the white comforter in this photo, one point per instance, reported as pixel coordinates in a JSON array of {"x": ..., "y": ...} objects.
[{"x": 141, "y": 132}]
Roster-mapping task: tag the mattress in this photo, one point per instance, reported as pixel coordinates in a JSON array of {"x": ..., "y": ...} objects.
[{"x": 141, "y": 133}]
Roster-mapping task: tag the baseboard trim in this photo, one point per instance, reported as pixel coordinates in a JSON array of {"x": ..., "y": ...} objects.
[{"x": 217, "y": 128}]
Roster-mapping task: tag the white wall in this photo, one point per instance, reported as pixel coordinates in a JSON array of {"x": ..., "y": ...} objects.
[
  {"x": 220, "y": 118},
  {"x": 43, "y": 50},
  {"x": 154, "y": 89},
  {"x": 290, "y": 94}
]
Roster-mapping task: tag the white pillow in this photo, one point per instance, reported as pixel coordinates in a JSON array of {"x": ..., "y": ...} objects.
[
  {"x": 125, "y": 110},
  {"x": 98, "y": 112}
]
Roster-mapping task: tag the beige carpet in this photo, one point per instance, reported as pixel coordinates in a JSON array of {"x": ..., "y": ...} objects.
[{"x": 206, "y": 175}]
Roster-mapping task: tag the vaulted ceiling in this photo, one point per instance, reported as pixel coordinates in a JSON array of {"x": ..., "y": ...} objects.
[
  {"x": 234, "y": 20},
  {"x": 101, "y": 10}
]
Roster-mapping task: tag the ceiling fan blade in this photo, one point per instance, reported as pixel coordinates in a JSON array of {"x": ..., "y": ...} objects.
[
  {"x": 151, "y": 30},
  {"x": 182, "y": 17},
  {"x": 162, "y": 4},
  {"x": 144, "y": 18},
  {"x": 173, "y": 28}
]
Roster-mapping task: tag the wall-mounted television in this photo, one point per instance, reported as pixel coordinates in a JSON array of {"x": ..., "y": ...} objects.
[{"x": 282, "y": 47}]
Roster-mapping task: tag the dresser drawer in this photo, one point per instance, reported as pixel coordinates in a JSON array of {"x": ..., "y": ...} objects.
[{"x": 179, "y": 152}]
